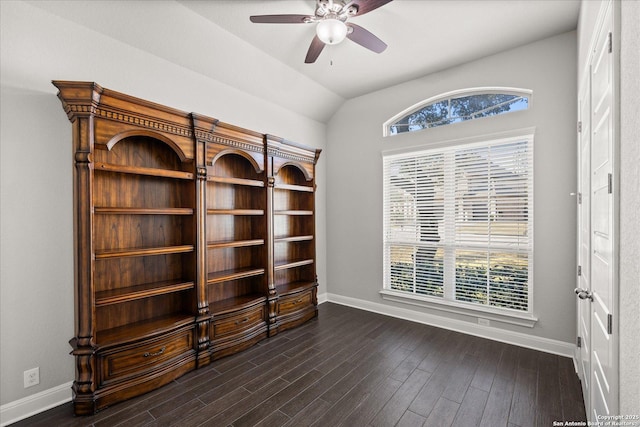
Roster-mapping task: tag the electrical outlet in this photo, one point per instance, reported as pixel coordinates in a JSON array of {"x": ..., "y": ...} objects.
[
  {"x": 31, "y": 377},
  {"x": 483, "y": 322}
]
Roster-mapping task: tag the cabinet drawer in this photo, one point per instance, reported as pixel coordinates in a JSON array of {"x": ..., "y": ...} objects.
[
  {"x": 141, "y": 357},
  {"x": 238, "y": 322},
  {"x": 295, "y": 302}
]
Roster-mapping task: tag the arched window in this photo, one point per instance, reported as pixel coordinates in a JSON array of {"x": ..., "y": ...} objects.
[{"x": 458, "y": 106}]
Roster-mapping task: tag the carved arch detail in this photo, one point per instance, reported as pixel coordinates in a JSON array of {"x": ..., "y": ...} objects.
[
  {"x": 142, "y": 132},
  {"x": 243, "y": 154},
  {"x": 304, "y": 171}
]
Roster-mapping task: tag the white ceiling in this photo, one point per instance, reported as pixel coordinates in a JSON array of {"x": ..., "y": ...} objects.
[
  {"x": 215, "y": 38},
  {"x": 423, "y": 36}
]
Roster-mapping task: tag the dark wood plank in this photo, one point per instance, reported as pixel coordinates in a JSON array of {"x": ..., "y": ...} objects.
[
  {"x": 284, "y": 364},
  {"x": 528, "y": 358},
  {"x": 443, "y": 413},
  {"x": 471, "y": 408},
  {"x": 486, "y": 371},
  {"x": 353, "y": 368},
  {"x": 508, "y": 365},
  {"x": 461, "y": 378},
  {"x": 369, "y": 407},
  {"x": 398, "y": 404},
  {"x": 275, "y": 419},
  {"x": 431, "y": 392},
  {"x": 411, "y": 419},
  {"x": 313, "y": 412},
  {"x": 570, "y": 391},
  {"x": 343, "y": 407},
  {"x": 264, "y": 408},
  {"x": 177, "y": 414},
  {"x": 316, "y": 390},
  {"x": 436, "y": 355},
  {"x": 548, "y": 404},
  {"x": 239, "y": 408},
  {"x": 213, "y": 408},
  {"x": 335, "y": 393},
  {"x": 496, "y": 411},
  {"x": 523, "y": 407}
]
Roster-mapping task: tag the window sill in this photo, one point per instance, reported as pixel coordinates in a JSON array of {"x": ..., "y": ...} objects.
[{"x": 527, "y": 320}]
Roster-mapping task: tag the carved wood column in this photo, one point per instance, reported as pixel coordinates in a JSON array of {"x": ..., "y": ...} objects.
[
  {"x": 202, "y": 131},
  {"x": 272, "y": 297},
  {"x": 80, "y": 101}
]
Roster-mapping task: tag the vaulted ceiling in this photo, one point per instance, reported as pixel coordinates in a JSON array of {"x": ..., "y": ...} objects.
[{"x": 216, "y": 38}]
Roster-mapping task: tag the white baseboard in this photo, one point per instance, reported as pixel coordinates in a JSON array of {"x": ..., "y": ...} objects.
[
  {"x": 34, "y": 404},
  {"x": 322, "y": 298},
  {"x": 510, "y": 337}
]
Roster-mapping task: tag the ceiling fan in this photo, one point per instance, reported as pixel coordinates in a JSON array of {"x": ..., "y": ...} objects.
[{"x": 332, "y": 26}]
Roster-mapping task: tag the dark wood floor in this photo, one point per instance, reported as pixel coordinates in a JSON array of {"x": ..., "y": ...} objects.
[{"x": 354, "y": 368}]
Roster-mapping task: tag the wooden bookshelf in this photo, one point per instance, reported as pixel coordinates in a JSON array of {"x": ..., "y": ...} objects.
[{"x": 194, "y": 239}]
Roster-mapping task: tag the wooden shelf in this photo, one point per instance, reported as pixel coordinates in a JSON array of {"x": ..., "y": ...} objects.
[
  {"x": 235, "y": 244},
  {"x": 155, "y": 245},
  {"x": 236, "y": 181},
  {"x": 292, "y": 239},
  {"x": 293, "y": 287},
  {"x": 241, "y": 273},
  {"x": 138, "y": 170},
  {"x": 140, "y": 330},
  {"x": 239, "y": 212},
  {"x": 143, "y": 211},
  {"x": 293, "y": 187},
  {"x": 293, "y": 212},
  {"x": 237, "y": 303},
  {"x": 133, "y": 252},
  {"x": 146, "y": 290},
  {"x": 293, "y": 264}
]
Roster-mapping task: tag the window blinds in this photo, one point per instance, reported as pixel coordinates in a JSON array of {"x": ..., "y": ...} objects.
[{"x": 458, "y": 223}]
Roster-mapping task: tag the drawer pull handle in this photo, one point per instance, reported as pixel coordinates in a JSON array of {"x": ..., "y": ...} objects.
[
  {"x": 157, "y": 353},
  {"x": 298, "y": 301},
  {"x": 245, "y": 320}
]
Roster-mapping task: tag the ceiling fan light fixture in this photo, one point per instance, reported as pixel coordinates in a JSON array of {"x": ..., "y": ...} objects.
[{"x": 331, "y": 31}]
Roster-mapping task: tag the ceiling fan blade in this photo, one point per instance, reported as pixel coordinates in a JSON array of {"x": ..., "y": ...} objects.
[
  {"x": 365, "y": 38},
  {"x": 366, "y": 6},
  {"x": 314, "y": 50},
  {"x": 279, "y": 19}
]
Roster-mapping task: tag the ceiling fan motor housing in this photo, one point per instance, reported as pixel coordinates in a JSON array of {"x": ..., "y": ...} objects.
[{"x": 327, "y": 8}]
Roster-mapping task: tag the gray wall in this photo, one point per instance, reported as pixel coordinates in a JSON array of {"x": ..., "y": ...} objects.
[
  {"x": 630, "y": 209},
  {"x": 36, "y": 171},
  {"x": 355, "y": 143}
]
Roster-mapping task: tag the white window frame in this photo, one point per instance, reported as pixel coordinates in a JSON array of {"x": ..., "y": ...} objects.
[
  {"x": 386, "y": 127},
  {"x": 448, "y": 304}
]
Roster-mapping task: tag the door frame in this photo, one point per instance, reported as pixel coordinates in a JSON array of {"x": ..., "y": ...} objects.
[{"x": 608, "y": 19}]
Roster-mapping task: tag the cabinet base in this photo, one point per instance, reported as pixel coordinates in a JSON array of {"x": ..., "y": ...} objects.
[{"x": 90, "y": 403}]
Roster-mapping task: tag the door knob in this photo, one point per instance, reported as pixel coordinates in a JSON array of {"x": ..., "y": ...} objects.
[{"x": 584, "y": 294}]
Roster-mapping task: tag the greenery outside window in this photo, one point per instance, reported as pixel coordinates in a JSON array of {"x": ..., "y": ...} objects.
[
  {"x": 458, "y": 224},
  {"x": 458, "y": 106}
]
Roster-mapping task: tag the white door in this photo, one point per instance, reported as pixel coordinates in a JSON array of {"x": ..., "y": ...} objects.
[
  {"x": 584, "y": 238},
  {"x": 597, "y": 253},
  {"x": 603, "y": 399}
]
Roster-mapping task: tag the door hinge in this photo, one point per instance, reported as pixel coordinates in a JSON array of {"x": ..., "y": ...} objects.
[
  {"x": 579, "y": 127},
  {"x": 579, "y": 342},
  {"x": 609, "y": 324},
  {"x": 579, "y": 270},
  {"x": 610, "y": 184},
  {"x": 610, "y": 43}
]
